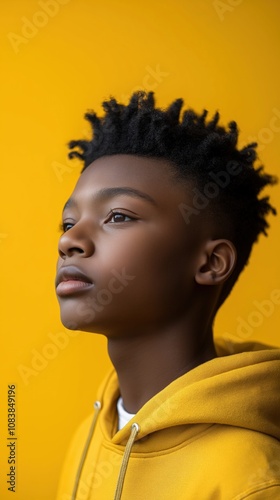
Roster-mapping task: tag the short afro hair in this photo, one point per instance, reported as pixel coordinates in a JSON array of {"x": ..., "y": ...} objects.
[{"x": 200, "y": 151}]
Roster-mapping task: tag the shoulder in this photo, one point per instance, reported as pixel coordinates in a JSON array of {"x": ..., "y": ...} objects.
[{"x": 246, "y": 463}]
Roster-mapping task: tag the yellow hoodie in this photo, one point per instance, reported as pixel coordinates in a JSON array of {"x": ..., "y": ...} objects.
[{"x": 212, "y": 434}]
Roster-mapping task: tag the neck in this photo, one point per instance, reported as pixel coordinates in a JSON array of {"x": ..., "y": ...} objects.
[{"x": 147, "y": 363}]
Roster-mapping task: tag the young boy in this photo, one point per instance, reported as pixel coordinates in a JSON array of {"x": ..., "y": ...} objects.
[{"x": 158, "y": 228}]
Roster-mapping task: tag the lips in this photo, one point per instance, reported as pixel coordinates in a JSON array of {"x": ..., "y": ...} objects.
[{"x": 70, "y": 280}]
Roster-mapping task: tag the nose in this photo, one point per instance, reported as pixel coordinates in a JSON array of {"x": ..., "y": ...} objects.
[{"x": 75, "y": 241}]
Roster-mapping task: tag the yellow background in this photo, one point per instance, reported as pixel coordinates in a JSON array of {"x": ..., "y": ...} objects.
[{"x": 217, "y": 55}]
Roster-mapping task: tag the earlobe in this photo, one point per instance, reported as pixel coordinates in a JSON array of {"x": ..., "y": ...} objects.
[{"x": 217, "y": 263}]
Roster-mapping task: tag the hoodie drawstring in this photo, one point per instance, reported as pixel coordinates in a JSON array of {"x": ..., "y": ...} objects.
[
  {"x": 97, "y": 406},
  {"x": 134, "y": 431}
]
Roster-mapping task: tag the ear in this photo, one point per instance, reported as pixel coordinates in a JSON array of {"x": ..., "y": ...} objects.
[{"x": 217, "y": 262}]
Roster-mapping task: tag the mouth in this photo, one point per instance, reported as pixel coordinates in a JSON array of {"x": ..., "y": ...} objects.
[{"x": 70, "y": 280}]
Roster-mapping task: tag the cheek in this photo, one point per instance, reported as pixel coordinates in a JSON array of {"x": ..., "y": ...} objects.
[
  {"x": 159, "y": 253},
  {"x": 159, "y": 264},
  {"x": 140, "y": 253},
  {"x": 164, "y": 269}
]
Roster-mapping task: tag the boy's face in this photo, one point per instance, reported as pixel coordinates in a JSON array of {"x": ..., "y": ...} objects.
[{"x": 126, "y": 233}]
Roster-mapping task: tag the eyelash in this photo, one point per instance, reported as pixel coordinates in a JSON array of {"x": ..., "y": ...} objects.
[
  {"x": 62, "y": 226},
  {"x": 112, "y": 214}
]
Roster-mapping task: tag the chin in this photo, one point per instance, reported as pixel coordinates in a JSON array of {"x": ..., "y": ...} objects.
[
  {"x": 74, "y": 323},
  {"x": 70, "y": 324}
]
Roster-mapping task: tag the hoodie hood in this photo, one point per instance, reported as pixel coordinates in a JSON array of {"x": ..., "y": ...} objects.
[
  {"x": 240, "y": 388},
  {"x": 216, "y": 425}
]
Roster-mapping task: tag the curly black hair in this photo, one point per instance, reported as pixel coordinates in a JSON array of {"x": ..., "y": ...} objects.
[{"x": 199, "y": 150}]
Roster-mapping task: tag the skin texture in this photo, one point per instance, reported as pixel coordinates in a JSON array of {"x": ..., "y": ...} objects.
[{"x": 158, "y": 316}]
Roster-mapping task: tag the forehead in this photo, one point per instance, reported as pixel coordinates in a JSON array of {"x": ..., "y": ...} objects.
[
  {"x": 153, "y": 176},
  {"x": 133, "y": 168}
]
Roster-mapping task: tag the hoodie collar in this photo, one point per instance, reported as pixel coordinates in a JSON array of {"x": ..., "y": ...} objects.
[{"x": 241, "y": 389}]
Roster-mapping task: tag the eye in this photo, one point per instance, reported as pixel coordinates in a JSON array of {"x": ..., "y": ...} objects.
[
  {"x": 63, "y": 226},
  {"x": 116, "y": 217}
]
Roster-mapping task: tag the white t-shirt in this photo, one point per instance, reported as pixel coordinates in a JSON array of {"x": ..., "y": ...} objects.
[{"x": 124, "y": 416}]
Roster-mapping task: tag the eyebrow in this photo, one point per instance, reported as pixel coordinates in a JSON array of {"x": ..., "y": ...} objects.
[{"x": 106, "y": 193}]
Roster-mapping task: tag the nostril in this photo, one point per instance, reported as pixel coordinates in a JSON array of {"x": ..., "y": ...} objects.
[
  {"x": 75, "y": 250},
  {"x": 61, "y": 254},
  {"x": 68, "y": 252}
]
